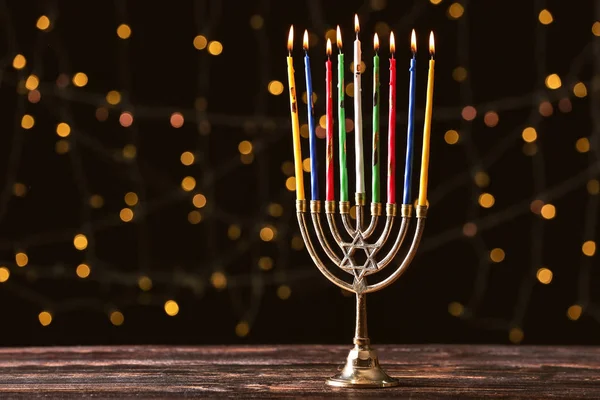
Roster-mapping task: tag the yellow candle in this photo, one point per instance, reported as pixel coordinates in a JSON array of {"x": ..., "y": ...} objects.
[
  {"x": 295, "y": 123},
  {"x": 427, "y": 127}
]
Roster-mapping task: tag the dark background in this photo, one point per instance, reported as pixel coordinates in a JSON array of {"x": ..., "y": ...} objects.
[{"x": 507, "y": 54}]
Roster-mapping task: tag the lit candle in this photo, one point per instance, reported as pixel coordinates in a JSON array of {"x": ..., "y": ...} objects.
[
  {"x": 410, "y": 131},
  {"x": 391, "y": 186},
  {"x": 427, "y": 127},
  {"x": 342, "y": 120},
  {"x": 312, "y": 135},
  {"x": 358, "y": 128},
  {"x": 329, "y": 117},
  {"x": 294, "y": 118},
  {"x": 375, "y": 166}
]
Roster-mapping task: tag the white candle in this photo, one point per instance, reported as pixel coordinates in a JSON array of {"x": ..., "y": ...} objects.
[{"x": 358, "y": 126}]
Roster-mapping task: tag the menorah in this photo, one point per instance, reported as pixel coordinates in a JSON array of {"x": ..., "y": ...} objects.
[{"x": 362, "y": 366}]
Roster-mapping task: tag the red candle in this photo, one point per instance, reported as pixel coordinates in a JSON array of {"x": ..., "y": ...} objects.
[
  {"x": 329, "y": 130},
  {"x": 391, "y": 183}
]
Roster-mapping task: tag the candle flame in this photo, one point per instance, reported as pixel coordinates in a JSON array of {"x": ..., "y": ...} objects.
[
  {"x": 328, "y": 47},
  {"x": 392, "y": 43},
  {"x": 338, "y": 36},
  {"x": 305, "y": 41},
  {"x": 413, "y": 41},
  {"x": 431, "y": 45},
  {"x": 356, "y": 24},
  {"x": 376, "y": 42},
  {"x": 291, "y": 39}
]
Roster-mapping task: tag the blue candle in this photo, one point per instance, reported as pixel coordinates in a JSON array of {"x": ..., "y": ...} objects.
[
  {"x": 312, "y": 134},
  {"x": 410, "y": 133}
]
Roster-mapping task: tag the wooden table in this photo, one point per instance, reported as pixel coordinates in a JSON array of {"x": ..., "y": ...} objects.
[{"x": 439, "y": 371}]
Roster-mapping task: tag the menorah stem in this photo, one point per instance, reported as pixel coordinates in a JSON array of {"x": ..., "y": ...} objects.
[{"x": 361, "y": 335}]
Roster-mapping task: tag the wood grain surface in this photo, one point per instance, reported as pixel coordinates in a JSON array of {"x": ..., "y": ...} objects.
[{"x": 247, "y": 372}]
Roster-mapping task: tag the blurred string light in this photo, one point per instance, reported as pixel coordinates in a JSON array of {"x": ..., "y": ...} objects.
[{"x": 559, "y": 94}]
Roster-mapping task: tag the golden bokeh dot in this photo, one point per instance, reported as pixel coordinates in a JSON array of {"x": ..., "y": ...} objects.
[
  {"x": 171, "y": 308},
  {"x": 275, "y": 210},
  {"x": 574, "y": 312},
  {"x": 215, "y": 48},
  {"x": 486, "y": 200},
  {"x": 459, "y": 74},
  {"x": 265, "y": 263},
  {"x": 268, "y": 233},
  {"x": 455, "y": 309},
  {"x": 117, "y": 318},
  {"x": 516, "y": 335},
  {"x": 113, "y": 97},
  {"x": 548, "y": 211},
  {"x": 234, "y": 232},
  {"x": 290, "y": 183},
  {"x": 314, "y": 98},
  {"x": 124, "y": 31},
  {"x": 27, "y": 122},
  {"x": 323, "y": 121},
  {"x": 200, "y": 42},
  {"x": 297, "y": 243},
  {"x": 80, "y": 241},
  {"x": 582, "y": 145},
  {"x": 96, "y": 201},
  {"x": 451, "y": 136},
  {"x": 126, "y": 119},
  {"x": 144, "y": 283},
  {"x": 544, "y": 275},
  {"x": 545, "y": 109},
  {"x": 131, "y": 199},
  {"x": 469, "y": 113},
  {"x": 545, "y": 17},
  {"x": 579, "y": 90},
  {"x": 188, "y": 183},
  {"x": 350, "y": 89},
  {"x": 4, "y": 274},
  {"x": 497, "y": 255},
  {"x": 218, "y": 280},
  {"x": 284, "y": 292},
  {"x": 481, "y": 179},
  {"x": 242, "y": 329},
  {"x": 19, "y": 61},
  {"x": 45, "y": 318},
  {"x": 32, "y": 82},
  {"x": 593, "y": 186},
  {"x": 63, "y": 129},
  {"x": 529, "y": 134},
  {"x": 21, "y": 259},
  {"x": 256, "y": 22},
  {"x": 245, "y": 147},
  {"x": 187, "y": 158},
  {"x": 306, "y": 164},
  {"x": 435, "y": 2},
  {"x": 470, "y": 229},
  {"x": 126, "y": 214},
  {"x": 83, "y": 271},
  {"x": 43, "y": 23},
  {"x": 456, "y": 10},
  {"x": 194, "y": 217},
  {"x": 176, "y": 120},
  {"x": 275, "y": 88},
  {"x": 199, "y": 200},
  {"x": 553, "y": 81},
  {"x": 80, "y": 79},
  {"x": 596, "y": 28},
  {"x": 19, "y": 189},
  {"x": 589, "y": 248},
  {"x": 491, "y": 119}
]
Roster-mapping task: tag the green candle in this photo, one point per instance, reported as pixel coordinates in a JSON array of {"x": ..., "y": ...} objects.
[
  {"x": 342, "y": 121},
  {"x": 375, "y": 180}
]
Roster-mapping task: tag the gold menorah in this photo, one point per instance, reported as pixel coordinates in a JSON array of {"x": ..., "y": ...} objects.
[{"x": 362, "y": 366}]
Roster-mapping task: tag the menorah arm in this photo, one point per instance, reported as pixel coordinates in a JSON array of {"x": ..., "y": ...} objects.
[
  {"x": 300, "y": 212},
  {"x": 406, "y": 211},
  {"x": 421, "y": 215},
  {"x": 315, "y": 211},
  {"x": 330, "y": 213},
  {"x": 375, "y": 214},
  {"x": 345, "y": 214}
]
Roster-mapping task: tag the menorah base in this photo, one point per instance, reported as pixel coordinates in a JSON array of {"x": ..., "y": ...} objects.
[{"x": 362, "y": 370}]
